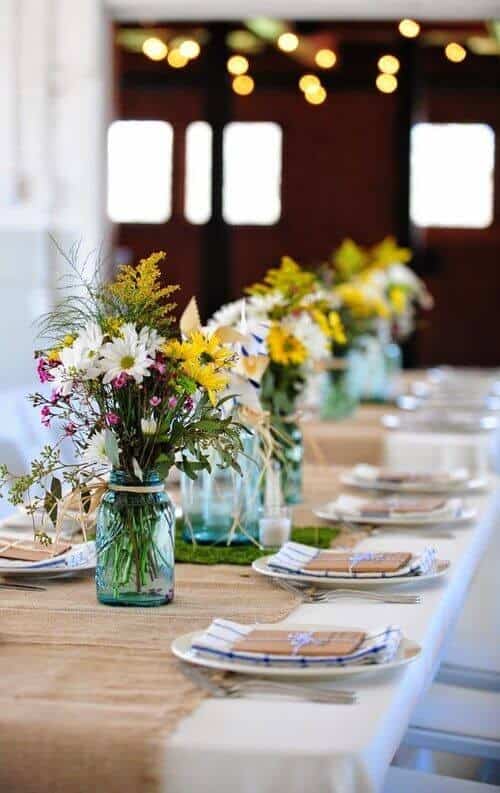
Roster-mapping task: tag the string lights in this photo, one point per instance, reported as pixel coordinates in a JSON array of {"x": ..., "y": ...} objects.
[
  {"x": 154, "y": 48},
  {"x": 409, "y": 28},
  {"x": 325, "y": 59},
  {"x": 243, "y": 85},
  {"x": 237, "y": 64},
  {"x": 189, "y": 49},
  {"x": 386, "y": 83},
  {"x": 288, "y": 42},
  {"x": 455, "y": 52},
  {"x": 388, "y": 64},
  {"x": 176, "y": 59}
]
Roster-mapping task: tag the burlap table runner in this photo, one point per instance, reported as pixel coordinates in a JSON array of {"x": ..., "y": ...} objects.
[
  {"x": 357, "y": 439},
  {"x": 89, "y": 694}
]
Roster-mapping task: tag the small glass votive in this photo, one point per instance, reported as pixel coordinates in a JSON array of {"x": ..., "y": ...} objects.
[{"x": 275, "y": 526}]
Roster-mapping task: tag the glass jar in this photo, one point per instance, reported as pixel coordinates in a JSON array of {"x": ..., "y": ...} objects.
[
  {"x": 288, "y": 436},
  {"x": 222, "y": 507},
  {"x": 135, "y": 537},
  {"x": 340, "y": 395}
]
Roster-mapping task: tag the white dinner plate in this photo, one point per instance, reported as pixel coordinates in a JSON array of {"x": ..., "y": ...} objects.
[
  {"x": 182, "y": 648},
  {"x": 16, "y": 570},
  {"x": 327, "y": 512},
  {"x": 261, "y": 566},
  {"x": 469, "y": 486}
]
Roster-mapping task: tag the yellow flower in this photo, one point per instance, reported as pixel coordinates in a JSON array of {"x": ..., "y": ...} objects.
[
  {"x": 178, "y": 350},
  {"x": 139, "y": 292},
  {"x": 361, "y": 305},
  {"x": 289, "y": 280},
  {"x": 337, "y": 331},
  {"x": 68, "y": 340},
  {"x": 53, "y": 355},
  {"x": 285, "y": 348},
  {"x": 206, "y": 376},
  {"x": 330, "y": 324},
  {"x": 399, "y": 299},
  {"x": 111, "y": 326},
  {"x": 349, "y": 259},
  {"x": 387, "y": 252},
  {"x": 208, "y": 349}
]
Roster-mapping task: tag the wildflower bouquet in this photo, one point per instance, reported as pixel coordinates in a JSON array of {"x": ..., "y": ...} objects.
[
  {"x": 136, "y": 398},
  {"x": 290, "y": 319}
]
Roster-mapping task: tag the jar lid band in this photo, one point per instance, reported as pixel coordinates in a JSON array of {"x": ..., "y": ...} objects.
[{"x": 137, "y": 488}]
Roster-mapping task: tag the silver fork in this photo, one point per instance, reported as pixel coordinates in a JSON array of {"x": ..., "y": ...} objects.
[
  {"x": 4, "y": 585},
  {"x": 236, "y": 687},
  {"x": 310, "y": 594}
]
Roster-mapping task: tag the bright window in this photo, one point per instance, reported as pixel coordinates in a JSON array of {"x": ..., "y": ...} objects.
[
  {"x": 140, "y": 171},
  {"x": 198, "y": 188},
  {"x": 252, "y": 173},
  {"x": 452, "y": 175}
]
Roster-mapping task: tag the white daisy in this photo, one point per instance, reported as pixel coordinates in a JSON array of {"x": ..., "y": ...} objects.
[
  {"x": 309, "y": 334},
  {"x": 80, "y": 359},
  {"x": 96, "y": 449},
  {"x": 125, "y": 355},
  {"x": 151, "y": 340}
]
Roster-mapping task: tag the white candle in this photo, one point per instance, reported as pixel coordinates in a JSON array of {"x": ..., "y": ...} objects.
[{"x": 274, "y": 531}]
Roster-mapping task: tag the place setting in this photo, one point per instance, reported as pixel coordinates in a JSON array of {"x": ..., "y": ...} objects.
[
  {"x": 397, "y": 511},
  {"x": 371, "y": 477}
]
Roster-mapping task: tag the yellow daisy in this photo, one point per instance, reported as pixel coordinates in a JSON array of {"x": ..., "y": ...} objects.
[
  {"x": 284, "y": 348},
  {"x": 206, "y": 376}
]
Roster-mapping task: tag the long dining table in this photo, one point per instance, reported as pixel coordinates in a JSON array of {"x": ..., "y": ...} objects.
[{"x": 260, "y": 744}]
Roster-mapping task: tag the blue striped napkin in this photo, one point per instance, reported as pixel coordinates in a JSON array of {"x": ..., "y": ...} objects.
[
  {"x": 378, "y": 647},
  {"x": 293, "y": 556}
]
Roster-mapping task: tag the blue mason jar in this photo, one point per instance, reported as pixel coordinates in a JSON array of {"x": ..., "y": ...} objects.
[
  {"x": 290, "y": 455},
  {"x": 135, "y": 541},
  {"x": 222, "y": 507}
]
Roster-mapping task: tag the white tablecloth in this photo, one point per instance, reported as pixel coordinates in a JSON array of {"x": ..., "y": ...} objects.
[{"x": 282, "y": 747}]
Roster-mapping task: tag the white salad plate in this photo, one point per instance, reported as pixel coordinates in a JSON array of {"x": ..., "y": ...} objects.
[
  {"x": 331, "y": 581},
  {"x": 329, "y": 513},
  {"x": 181, "y": 647}
]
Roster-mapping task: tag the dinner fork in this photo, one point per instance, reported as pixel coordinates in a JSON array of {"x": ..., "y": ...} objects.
[
  {"x": 234, "y": 687},
  {"x": 310, "y": 594},
  {"x": 4, "y": 585}
]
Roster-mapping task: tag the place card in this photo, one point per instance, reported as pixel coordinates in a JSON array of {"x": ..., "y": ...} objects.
[
  {"x": 30, "y": 550},
  {"x": 387, "y": 507},
  {"x": 363, "y": 562},
  {"x": 306, "y": 643}
]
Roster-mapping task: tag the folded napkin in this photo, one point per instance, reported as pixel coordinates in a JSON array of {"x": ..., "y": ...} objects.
[
  {"x": 81, "y": 555},
  {"x": 394, "y": 507},
  {"x": 296, "y": 558},
  {"x": 297, "y": 647},
  {"x": 373, "y": 474}
]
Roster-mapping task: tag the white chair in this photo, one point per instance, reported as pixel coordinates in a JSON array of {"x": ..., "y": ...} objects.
[
  {"x": 402, "y": 780},
  {"x": 464, "y": 721}
]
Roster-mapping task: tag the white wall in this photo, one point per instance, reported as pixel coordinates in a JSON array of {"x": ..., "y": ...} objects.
[{"x": 54, "y": 66}]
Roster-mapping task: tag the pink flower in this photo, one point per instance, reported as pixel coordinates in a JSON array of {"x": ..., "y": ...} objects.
[
  {"x": 70, "y": 428},
  {"x": 55, "y": 395},
  {"x": 112, "y": 419},
  {"x": 154, "y": 401},
  {"x": 172, "y": 402},
  {"x": 120, "y": 381},
  {"x": 43, "y": 370},
  {"x": 188, "y": 404},
  {"x": 159, "y": 366},
  {"x": 45, "y": 416}
]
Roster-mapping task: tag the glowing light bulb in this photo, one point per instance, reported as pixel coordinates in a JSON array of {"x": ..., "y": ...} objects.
[
  {"x": 409, "y": 28},
  {"x": 388, "y": 64},
  {"x": 237, "y": 64},
  {"x": 308, "y": 81},
  {"x": 316, "y": 97},
  {"x": 325, "y": 59},
  {"x": 455, "y": 52},
  {"x": 189, "y": 49},
  {"x": 154, "y": 48},
  {"x": 176, "y": 59},
  {"x": 243, "y": 85},
  {"x": 386, "y": 83},
  {"x": 288, "y": 42}
]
